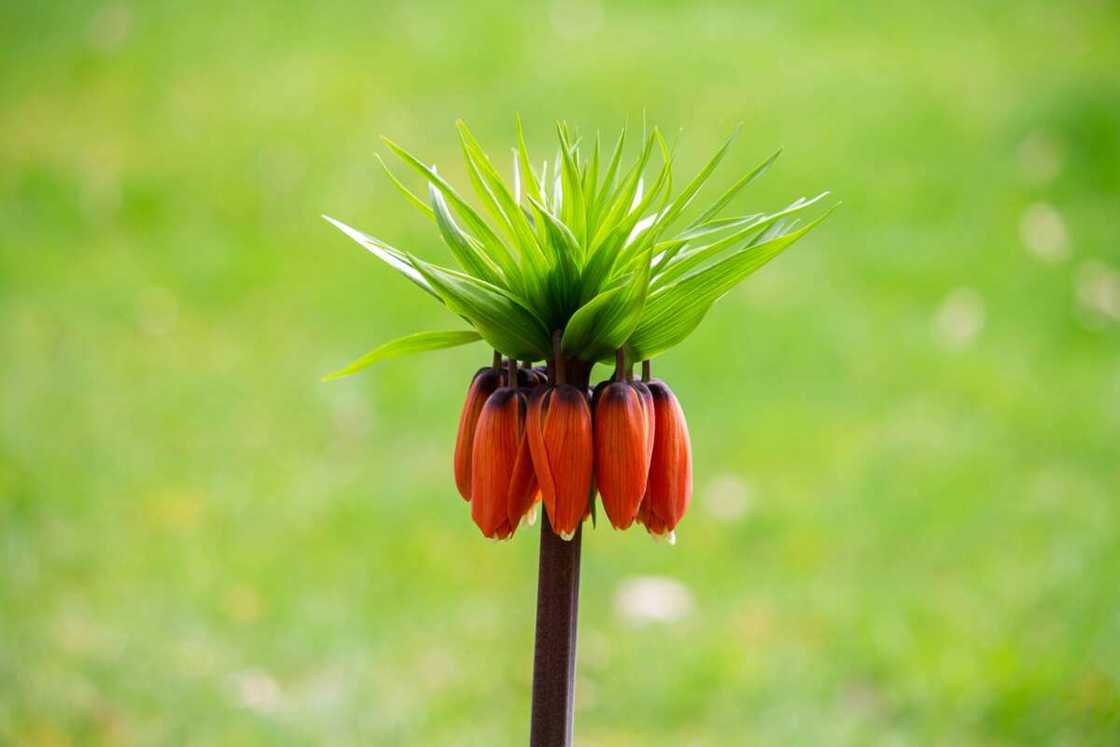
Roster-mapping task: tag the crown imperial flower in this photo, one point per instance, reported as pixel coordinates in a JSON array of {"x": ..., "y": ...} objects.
[{"x": 582, "y": 261}]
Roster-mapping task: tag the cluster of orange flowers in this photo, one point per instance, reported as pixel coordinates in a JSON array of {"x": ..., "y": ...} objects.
[{"x": 527, "y": 436}]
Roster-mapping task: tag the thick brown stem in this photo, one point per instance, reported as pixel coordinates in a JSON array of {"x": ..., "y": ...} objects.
[{"x": 554, "y": 657}]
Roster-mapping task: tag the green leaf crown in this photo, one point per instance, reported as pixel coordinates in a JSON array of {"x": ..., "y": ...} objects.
[{"x": 601, "y": 251}]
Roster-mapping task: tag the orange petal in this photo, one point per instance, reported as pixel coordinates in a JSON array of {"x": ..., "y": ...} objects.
[
  {"x": 538, "y": 402},
  {"x": 568, "y": 445},
  {"x": 650, "y": 520},
  {"x": 622, "y": 455},
  {"x": 651, "y": 418},
  {"x": 670, "y": 475},
  {"x": 523, "y": 492},
  {"x": 495, "y": 452},
  {"x": 482, "y": 386}
]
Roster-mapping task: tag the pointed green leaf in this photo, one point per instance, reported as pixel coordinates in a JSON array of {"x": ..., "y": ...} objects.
[
  {"x": 467, "y": 249},
  {"x": 590, "y": 179},
  {"x": 528, "y": 178},
  {"x": 642, "y": 224},
  {"x": 408, "y": 193},
  {"x": 626, "y": 197},
  {"x": 670, "y": 248},
  {"x": 672, "y": 313},
  {"x": 421, "y": 342},
  {"x": 494, "y": 245},
  {"x": 574, "y": 209},
  {"x": 683, "y": 200},
  {"x": 387, "y": 254},
  {"x": 505, "y": 321},
  {"x": 612, "y": 168},
  {"x": 603, "y": 324},
  {"x": 694, "y": 258},
  {"x": 734, "y": 189},
  {"x": 598, "y": 202},
  {"x": 598, "y": 269},
  {"x": 503, "y": 204},
  {"x": 564, "y": 275}
]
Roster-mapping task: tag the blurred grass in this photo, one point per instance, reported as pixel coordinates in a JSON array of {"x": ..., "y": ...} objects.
[{"x": 905, "y": 529}]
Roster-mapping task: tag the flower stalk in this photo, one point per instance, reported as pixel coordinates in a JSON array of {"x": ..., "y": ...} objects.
[
  {"x": 585, "y": 261},
  {"x": 554, "y": 652}
]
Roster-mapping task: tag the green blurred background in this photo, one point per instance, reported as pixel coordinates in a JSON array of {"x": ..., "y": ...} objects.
[{"x": 905, "y": 528}]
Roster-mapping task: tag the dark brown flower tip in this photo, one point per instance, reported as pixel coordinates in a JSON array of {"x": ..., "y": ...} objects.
[
  {"x": 669, "y": 488},
  {"x": 498, "y": 441},
  {"x": 598, "y": 391},
  {"x": 622, "y": 450},
  {"x": 484, "y": 383},
  {"x": 526, "y": 378},
  {"x": 561, "y": 446}
]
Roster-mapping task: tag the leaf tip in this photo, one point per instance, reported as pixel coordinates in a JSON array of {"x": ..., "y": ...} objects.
[{"x": 392, "y": 145}]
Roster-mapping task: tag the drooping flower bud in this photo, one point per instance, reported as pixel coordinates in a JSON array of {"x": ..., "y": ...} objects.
[
  {"x": 561, "y": 445},
  {"x": 484, "y": 383},
  {"x": 669, "y": 487},
  {"x": 500, "y": 492},
  {"x": 623, "y": 445}
]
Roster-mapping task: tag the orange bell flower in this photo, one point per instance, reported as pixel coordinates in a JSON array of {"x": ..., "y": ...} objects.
[
  {"x": 484, "y": 383},
  {"x": 561, "y": 446},
  {"x": 503, "y": 486},
  {"x": 669, "y": 488},
  {"x": 623, "y": 448}
]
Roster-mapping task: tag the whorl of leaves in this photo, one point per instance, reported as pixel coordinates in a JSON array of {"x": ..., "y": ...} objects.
[{"x": 602, "y": 251}]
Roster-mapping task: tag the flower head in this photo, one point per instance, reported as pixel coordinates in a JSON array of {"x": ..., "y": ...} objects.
[{"x": 583, "y": 260}]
